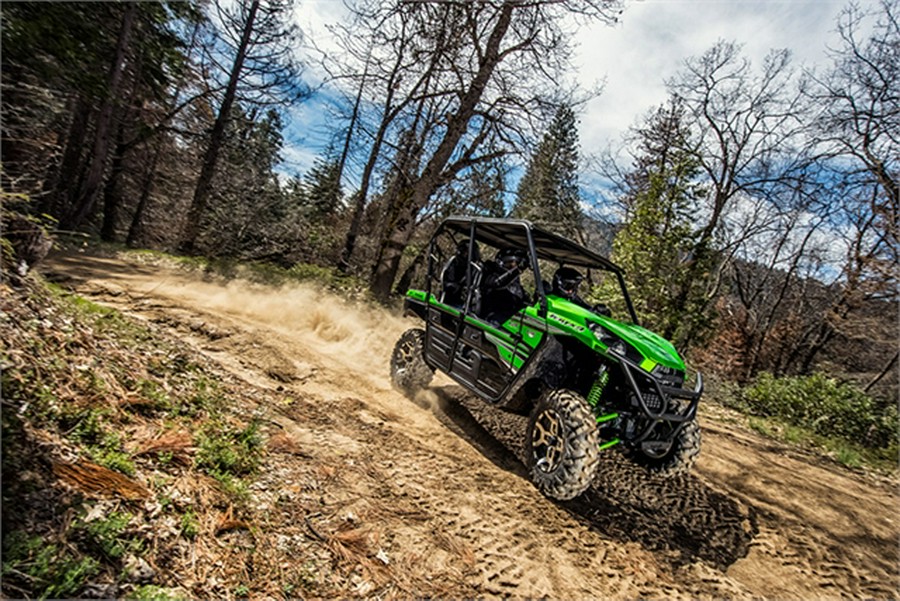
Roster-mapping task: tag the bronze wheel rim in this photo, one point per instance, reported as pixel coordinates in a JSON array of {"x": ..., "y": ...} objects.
[{"x": 547, "y": 442}]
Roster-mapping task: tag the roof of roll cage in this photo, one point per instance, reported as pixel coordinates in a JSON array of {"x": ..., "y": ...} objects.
[{"x": 502, "y": 233}]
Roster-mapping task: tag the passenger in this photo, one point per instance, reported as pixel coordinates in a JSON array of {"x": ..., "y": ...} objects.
[
  {"x": 503, "y": 294},
  {"x": 565, "y": 284},
  {"x": 454, "y": 277}
]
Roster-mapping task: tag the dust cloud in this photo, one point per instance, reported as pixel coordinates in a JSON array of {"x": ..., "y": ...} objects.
[
  {"x": 357, "y": 335},
  {"x": 428, "y": 400}
]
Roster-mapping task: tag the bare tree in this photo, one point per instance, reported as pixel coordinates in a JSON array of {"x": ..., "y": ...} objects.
[
  {"x": 260, "y": 42},
  {"x": 859, "y": 100},
  {"x": 858, "y": 134},
  {"x": 401, "y": 53},
  {"x": 748, "y": 134},
  {"x": 480, "y": 38}
]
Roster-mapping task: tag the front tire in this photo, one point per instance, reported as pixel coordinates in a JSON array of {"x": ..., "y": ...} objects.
[
  {"x": 669, "y": 459},
  {"x": 562, "y": 443},
  {"x": 409, "y": 372}
]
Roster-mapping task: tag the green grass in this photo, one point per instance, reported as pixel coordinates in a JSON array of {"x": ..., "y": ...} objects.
[
  {"x": 154, "y": 393},
  {"x": 49, "y": 571},
  {"x": 849, "y": 457},
  {"x": 227, "y": 453},
  {"x": 229, "y": 450},
  {"x": 190, "y": 526},
  {"x": 844, "y": 452},
  {"x": 102, "y": 319},
  {"x": 103, "y": 445},
  {"x": 760, "y": 426},
  {"x": 233, "y": 486},
  {"x": 107, "y": 535}
]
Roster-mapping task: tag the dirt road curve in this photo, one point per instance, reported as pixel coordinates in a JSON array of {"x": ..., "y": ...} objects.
[{"x": 443, "y": 473}]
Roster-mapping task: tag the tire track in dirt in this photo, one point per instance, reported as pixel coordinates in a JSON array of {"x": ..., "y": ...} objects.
[
  {"x": 492, "y": 529},
  {"x": 444, "y": 474},
  {"x": 682, "y": 516},
  {"x": 823, "y": 532}
]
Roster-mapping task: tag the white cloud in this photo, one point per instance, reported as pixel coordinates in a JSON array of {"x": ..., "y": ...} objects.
[
  {"x": 314, "y": 18},
  {"x": 654, "y": 37}
]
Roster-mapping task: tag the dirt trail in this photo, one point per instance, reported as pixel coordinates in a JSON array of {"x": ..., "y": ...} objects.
[{"x": 443, "y": 474}]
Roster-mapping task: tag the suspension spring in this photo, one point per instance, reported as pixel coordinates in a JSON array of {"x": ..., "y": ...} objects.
[{"x": 596, "y": 392}]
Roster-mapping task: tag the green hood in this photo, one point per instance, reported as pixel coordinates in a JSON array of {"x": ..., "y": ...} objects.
[{"x": 653, "y": 347}]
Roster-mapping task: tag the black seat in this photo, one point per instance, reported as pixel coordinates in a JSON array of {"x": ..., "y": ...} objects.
[{"x": 454, "y": 277}]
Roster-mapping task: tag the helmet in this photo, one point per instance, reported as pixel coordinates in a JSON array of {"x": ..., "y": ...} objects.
[
  {"x": 462, "y": 249},
  {"x": 566, "y": 281},
  {"x": 511, "y": 257}
]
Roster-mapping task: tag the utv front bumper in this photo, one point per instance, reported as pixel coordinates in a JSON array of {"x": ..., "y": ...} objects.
[{"x": 654, "y": 399}]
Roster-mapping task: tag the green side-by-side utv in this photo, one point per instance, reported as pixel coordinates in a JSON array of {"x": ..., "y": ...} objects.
[{"x": 588, "y": 379}]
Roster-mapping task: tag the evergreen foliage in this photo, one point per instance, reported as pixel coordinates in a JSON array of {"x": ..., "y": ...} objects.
[
  {"x": 246, "y": 196},
  {"x": 548, "y": 192},
  {"x": 322, "y": 189},
  {"x": 658, "y": 246},
  {"x": 479, "y": 191}
]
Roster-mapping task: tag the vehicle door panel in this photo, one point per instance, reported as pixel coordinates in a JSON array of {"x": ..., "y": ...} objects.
[{"x": 464, "y": 348}]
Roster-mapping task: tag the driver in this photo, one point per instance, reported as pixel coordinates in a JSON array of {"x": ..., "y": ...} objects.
[
  {"x": 503, "y": 294},
  {"x": 565, "y": 284}
]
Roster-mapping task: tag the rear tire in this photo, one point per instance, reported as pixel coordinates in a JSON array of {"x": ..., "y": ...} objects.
[
  {"x": 562, "y": 445},
  {"x": 679, "y": 458},
  {"x": 409, "y": 372}
]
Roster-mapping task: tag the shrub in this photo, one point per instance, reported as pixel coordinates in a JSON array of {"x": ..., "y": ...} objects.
[
  {"x": 228, "y": 450},
  {"x": 824, "y": 406}
]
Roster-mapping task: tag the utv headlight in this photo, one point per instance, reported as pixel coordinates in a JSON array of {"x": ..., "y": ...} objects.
[
  {"x": 615, "y": 344},
  {"x": 669, "y": 376}
]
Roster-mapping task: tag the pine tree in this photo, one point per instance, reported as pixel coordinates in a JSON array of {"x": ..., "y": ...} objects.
[
  {"x": 322, "y": 189},
  {"x": 248, "y": 201},
  {"x": 479, "y": 191},
  {"x": 548, "y": 192},
  {"x": 263, "y": 71},
  {"x": 658, "y": 245}
]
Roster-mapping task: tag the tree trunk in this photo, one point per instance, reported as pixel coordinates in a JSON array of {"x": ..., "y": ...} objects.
[
  {"x": 386, "y": 268},
  {"x": 361, "y": 197},
  {"x": 87, "y": 196},
  {"x": 207, "y": 172},
  {"x": 888, "y": 367},
  {"x": 136, "y": 230},
  {"x": 387, "y": 118},
  {"x": 112, "y": 193},
  {"x": 405, "y": 281},
  {"x": 401, "y": 227},
  {"x": 354, "y": 115},
  {"x": 112, "y": 196},
  {"x": 61, "y": 192}
]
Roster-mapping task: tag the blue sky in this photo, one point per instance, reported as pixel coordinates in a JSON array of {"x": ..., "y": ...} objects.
[{"x": 633, "y": 57}]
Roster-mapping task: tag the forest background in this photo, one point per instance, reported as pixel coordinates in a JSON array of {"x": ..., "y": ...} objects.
[{"x": 754, "y": 212}]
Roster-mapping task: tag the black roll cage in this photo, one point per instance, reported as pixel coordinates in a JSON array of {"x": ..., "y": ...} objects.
[{"x": 541, "y": 244}]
